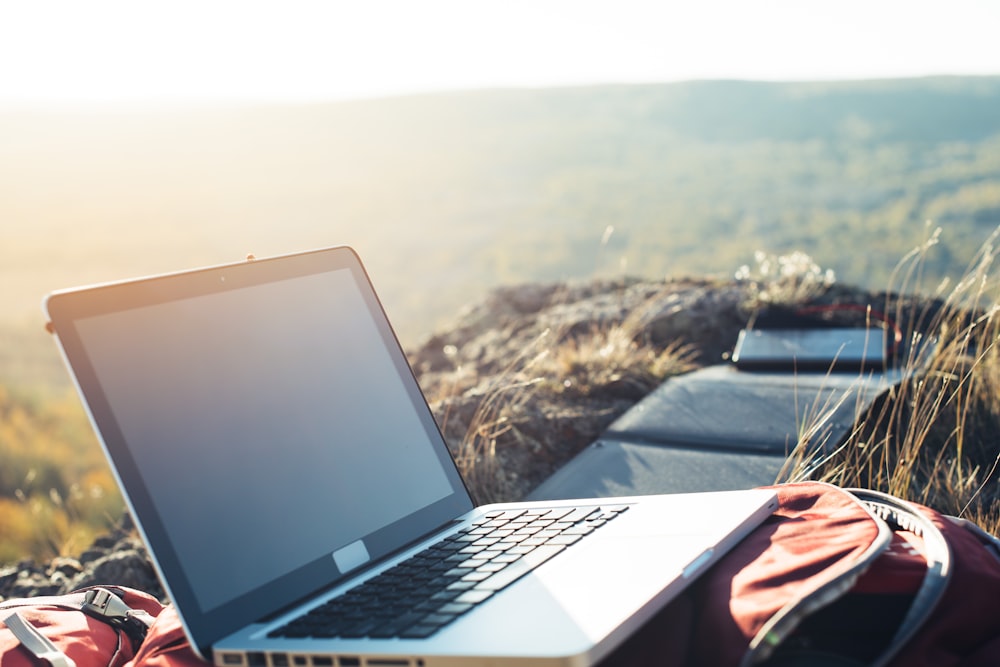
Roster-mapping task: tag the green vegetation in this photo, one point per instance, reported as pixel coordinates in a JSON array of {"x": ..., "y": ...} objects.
[
  {"x": 56, "y": 492},
  {"x": 448, "y": 195}
]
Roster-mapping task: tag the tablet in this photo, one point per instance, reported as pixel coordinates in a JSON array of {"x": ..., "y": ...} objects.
[{"x": 823, "y": 349}]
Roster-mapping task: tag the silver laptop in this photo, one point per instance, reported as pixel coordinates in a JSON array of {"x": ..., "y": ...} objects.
[{"x": 302, "y": 507}]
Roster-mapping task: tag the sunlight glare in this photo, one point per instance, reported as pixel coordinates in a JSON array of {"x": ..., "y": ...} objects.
[{"x": 116, "y": 51}]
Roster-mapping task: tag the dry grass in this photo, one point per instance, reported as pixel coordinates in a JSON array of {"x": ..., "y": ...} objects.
[
  {"x": 790, "y": 279},
  {"x": 524, "y": 411},
  {"x": 495, "y": 417},
  {"x": 934, "y": 438},
  {"x": 614, "y": 356}
]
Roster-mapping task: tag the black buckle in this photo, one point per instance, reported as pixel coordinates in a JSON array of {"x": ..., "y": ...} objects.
[{"x": 106, "y": 606}]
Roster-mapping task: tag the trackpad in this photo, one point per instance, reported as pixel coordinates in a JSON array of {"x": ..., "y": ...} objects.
[{"x": 611, "y": 579}]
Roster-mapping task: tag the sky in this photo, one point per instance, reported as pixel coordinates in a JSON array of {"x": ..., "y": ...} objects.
[{"x": 55, "y": 52}]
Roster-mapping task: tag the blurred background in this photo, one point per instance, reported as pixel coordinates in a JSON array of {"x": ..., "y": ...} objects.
[{"x": 459, "y": 146}]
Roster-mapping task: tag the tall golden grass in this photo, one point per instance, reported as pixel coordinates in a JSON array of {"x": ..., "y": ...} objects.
[{"x": 935, "y": 437}]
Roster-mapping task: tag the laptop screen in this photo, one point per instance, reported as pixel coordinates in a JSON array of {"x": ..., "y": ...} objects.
[{"x": 263, "y": 422}]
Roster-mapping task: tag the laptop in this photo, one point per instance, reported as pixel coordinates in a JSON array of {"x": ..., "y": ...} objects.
[{"x": 302, "y": 508}]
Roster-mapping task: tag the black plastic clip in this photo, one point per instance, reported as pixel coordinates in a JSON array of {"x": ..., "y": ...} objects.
[{"x": 104, "y": 605}]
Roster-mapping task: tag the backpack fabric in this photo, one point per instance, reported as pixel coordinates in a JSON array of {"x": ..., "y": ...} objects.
[
  {"x": 166, "y": 644},
  {"x": 810, "y": 552},
  {"x": 97, "y": 627},
  {"x": 837, "y": 578},
  {"x": 964, "y": 627},
  {"x": 931, "y": 598},
  {"x": 834, "y": 578}
]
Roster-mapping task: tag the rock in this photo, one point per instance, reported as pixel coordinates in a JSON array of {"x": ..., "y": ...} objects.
[
  {"x": 104, "y": 542},
  {"x": 129, "y": 567},
  {"x": 8, "y": 576},
  {"x": 91, "y": 555},
  {"x": 65, "y": 566}
]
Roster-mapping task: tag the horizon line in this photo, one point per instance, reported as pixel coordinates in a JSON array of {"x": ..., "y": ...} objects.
[{"x": 199, "y": 102}]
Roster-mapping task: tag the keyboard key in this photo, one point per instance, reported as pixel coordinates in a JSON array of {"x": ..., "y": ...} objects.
[
  {"x": 491, "y": 566},
  {"x": 581, "y": 513},
  {"x": 446, "y": 595},
  {"x": 547, "y": 533},
  {"x": 419, "y": 631},
  {"x": 395, "y": 626},
  {"x": 461, "y": 585},
  {"x": 506, "y": 557},
  {"x": 485, "y": 541},
  {"x": 438, "y": 619},
  {"x": 474, "y": 596},
  {"x": 469, "y": 550},
  {"x": 455, "y": 608},
  {"x": 520, "y": 549}
]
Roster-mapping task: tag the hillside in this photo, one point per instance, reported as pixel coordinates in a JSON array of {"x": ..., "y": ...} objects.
[
  {"x": 531, "y": 205},
  {"x": 448, "y": 196}
]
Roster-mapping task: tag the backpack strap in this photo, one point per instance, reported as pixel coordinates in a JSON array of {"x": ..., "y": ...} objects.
[
  {"x": 838, "y": 582},
  {"x": 35, "y": 642},
  {"x": 901, "y": 515},
  {"x": 104, "y": 604},
  {"x": 100, "y": 602}
]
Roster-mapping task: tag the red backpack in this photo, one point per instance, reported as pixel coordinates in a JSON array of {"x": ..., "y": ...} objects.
[
  {"x": 838, "y": 578},
  {"x": 93, "y": 627},
  {"x": 833, "y": 578}
]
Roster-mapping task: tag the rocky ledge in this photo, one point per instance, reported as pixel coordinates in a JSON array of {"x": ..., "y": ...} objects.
[
  {"x": 515, "y": 388},
  {"x": 118, "y": 558}
]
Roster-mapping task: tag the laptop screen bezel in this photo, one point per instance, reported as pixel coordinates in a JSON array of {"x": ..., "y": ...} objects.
[{"x": 204, "y": 627}]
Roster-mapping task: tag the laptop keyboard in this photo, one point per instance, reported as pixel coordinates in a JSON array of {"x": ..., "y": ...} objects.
[{"x": 429, "y": 590}]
